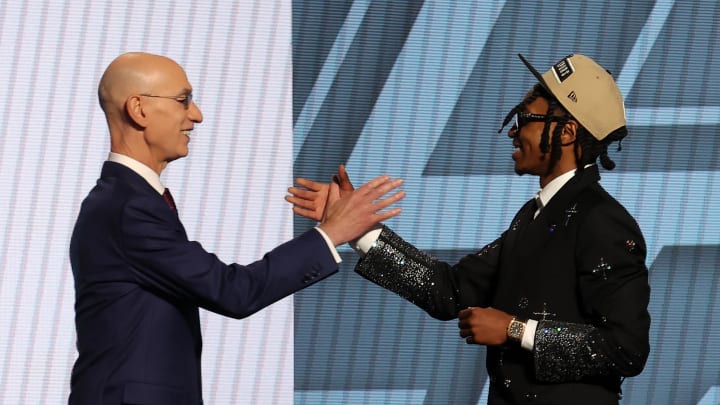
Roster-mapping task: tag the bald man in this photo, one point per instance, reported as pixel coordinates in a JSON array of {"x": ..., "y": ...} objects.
[{"x": 139, "y": 281}]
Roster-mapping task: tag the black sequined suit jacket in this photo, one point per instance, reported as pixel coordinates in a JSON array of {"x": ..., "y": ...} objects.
[{"x": 578, "y": 268}]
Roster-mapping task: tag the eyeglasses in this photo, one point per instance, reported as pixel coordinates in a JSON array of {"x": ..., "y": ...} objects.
[
  {"x": 184, "y": 99},
  {"x": 522, "y": 118}
]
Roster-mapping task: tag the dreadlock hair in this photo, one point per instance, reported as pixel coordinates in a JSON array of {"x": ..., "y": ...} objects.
[
  {"x": 553, "y": 104},
  {"x": 587, "y": 147},
  {"x": 591, "y": 149}
]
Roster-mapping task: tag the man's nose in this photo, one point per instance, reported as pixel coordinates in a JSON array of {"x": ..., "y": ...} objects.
[{"x": 194, "y": 113}]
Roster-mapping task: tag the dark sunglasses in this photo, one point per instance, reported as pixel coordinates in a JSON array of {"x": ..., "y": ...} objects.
[{"x": 523, "y": 118}]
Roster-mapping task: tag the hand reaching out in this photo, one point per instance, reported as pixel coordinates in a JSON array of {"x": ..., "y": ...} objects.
[
  {"x": 310, "y": 202},
  {"x": 350, "y": 214}
]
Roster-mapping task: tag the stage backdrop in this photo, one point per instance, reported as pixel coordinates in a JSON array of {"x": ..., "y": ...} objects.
[
  {"x": 416, "y": 89},
  {"x": 229, "y": 190}
]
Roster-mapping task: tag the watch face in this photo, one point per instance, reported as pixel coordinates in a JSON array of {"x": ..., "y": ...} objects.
[{"x": 516, "y": 329}]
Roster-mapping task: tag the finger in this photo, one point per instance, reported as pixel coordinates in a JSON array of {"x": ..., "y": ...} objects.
[
  {"x": 302, "y": 203},
  {"x": 344, "y": 179},
  {"x": 465, "y": 313},
  {"x": 333, "y": 193},
  {"x": 386, "y": 187},
  {"x": 465, "y": 333},
  {"x": 305, "y": 194},
  {"x": 470, "y": 340},
  {"x": 386, "y": 202},
  {"x": 309, "y": 184},
  {"x": 374, "y": 183},
  {"x": 384, "y": 216},
  {"x": 306, "y": 213}
]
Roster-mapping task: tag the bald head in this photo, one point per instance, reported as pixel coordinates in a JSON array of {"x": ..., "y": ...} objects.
[
  {"x": 133, "y": 73},
  {"x": 147, "y": 101}
]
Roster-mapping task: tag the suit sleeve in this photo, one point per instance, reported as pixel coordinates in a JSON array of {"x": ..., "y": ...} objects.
[
  {"x": 165, "y": 261},
  {"x": 438, "y": 288},
  {"x": 614, "y": 294}
]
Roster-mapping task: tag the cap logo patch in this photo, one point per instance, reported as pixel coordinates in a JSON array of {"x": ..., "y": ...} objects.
[
  {"x": 563, "y": 70},
  {"x": 572, "y": 97}
]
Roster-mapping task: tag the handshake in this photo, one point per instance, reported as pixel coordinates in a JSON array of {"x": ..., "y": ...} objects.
[{"x": 346, "y": 213}]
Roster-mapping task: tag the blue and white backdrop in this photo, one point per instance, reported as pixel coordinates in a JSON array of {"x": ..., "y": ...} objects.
[{"x": 416, "y": 89}]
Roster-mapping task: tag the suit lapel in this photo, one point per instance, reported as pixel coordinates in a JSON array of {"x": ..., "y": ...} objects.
[{"x": 527, "y": 235}]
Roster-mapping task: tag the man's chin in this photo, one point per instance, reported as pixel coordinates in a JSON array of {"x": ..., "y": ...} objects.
[{"x": 180, "y": 155}]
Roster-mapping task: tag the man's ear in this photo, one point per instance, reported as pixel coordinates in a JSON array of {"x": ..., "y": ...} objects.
[
  {"x": 569, "y": 133},
  {"x": 134, "y": 109}
]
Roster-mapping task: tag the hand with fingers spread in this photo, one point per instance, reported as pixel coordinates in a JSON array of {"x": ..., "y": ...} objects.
[
  {"x": 311, "y": 201},
  {"x": 484, "y": 326},
  {"x": 350, "y": 214}
]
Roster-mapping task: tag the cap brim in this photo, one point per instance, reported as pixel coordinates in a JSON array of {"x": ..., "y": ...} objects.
[{"x": 535, "y": 73}]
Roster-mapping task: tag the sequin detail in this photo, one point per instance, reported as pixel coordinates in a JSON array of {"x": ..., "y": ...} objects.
[
  {"x": 602, "y": 268},
  {"x": 523, "y": 302},
  {"x": 401, "y": 268},
  {"x": 569, "y": 213},
  {"x": 569, "y": 352},
  {"x": 490, "y": 246},
  {"x": 631, "y": 245},
  {"x": 545, "y": 314}
]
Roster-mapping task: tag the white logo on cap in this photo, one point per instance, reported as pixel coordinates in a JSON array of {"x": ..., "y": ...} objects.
[{"x": 563, "y": 70}]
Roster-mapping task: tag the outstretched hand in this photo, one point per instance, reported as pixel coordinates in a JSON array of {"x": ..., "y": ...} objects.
[
  {"x": 310, "y": 201},
  {"x": 350, "y": 214},
  {"x": 484, "y": 326}
]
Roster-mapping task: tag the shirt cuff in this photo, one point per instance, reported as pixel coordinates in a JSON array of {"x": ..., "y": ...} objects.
[
  {"x": 363, "y": 244},
  {"x": 334, "y": 251},
  {"x": 528, "y": 338}
]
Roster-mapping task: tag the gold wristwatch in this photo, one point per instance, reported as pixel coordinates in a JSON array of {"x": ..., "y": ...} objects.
[{"x": 515, "y": 329}]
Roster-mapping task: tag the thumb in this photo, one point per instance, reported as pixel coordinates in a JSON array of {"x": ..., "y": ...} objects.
[
  {"x": 332, "y": 197},
  {"x": 344, "y": 179},
  {"x": 334, "y": 193}
]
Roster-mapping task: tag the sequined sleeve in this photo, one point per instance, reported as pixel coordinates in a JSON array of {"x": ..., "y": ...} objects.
[
  {"x": 569, "y": 352},
  {"x": 396, "y": 265},
  {"x": 437, "y": 287}
]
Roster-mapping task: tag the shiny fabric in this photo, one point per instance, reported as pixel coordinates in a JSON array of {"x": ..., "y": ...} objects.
[{"x": 578, "y": 268}]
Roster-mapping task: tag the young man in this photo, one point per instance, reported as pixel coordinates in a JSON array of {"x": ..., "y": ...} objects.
[
  {"x": 139, "y": 281},
  {"x": 560, "y": 298}
]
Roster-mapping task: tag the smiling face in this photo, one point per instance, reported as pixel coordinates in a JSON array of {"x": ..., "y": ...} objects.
[
  {"x": 526, "y": 139},
  {"x": 147, "y": 100},
  {"x": 170, "y": 117}
]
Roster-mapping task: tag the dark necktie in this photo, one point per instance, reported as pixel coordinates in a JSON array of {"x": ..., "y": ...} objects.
[
  {"x": 538, "y": 206},
  {"x": 169, "y": 199}
]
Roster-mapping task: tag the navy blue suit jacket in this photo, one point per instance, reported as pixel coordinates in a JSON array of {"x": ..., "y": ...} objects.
[{"x": 139, "y": 283}]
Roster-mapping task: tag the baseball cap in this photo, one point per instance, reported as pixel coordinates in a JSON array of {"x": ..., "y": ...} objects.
[{"x": 587, "y": 91}]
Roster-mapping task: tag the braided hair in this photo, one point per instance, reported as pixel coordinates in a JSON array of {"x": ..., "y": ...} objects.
[{"x": 587, "y": 147}]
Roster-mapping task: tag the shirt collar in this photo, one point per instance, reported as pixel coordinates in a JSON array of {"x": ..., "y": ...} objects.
[
  {"x": 144, "y": 171},
  {"x": 548, "y": 192}
]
